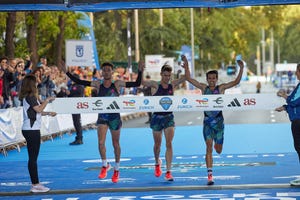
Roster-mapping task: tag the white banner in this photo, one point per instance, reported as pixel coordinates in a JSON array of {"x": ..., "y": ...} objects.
[
  {"x": 127, "y": 104},
  {"x": 79, "y": 53}
]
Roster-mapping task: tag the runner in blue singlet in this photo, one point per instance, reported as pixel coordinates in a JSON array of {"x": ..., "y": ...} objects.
[
  {"x": 111, "y": 121},
  {"x": 213, "y": 123},
  {"x": 164, "y": 121}
]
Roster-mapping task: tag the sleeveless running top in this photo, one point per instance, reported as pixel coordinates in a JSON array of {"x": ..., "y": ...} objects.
[
  {"x": 164, "y": 92},
  {"x": 111, "y": 91},
  {"x": 212, "y": 116}
]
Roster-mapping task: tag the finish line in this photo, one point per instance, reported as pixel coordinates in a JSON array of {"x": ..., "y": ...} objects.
[
  {"x": 153, "y": 189},
  {"x": 127, "y": 104}
]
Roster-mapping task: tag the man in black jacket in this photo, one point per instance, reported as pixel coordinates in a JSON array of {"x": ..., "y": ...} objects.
[{"x": 76, "y": 90}]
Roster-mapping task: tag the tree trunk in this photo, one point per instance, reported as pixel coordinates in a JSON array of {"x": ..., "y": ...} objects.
[
  {"x": 118, "y": 20},
  {"x": 9, "y": 35},
  {"x": 58, "y": 54},
  {"x": 31, "y": 25}
]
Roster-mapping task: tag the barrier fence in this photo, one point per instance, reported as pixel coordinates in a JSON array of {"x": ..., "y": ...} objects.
[{"x": 11, "y": 123}]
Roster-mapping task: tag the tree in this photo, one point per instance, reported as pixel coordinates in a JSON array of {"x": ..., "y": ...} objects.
[
  {"x": 9, "y": 34},
  {"x": 219, "y": 33},
  {"x": 58, "y": 55},
  {"x": 31, "y": 24}
]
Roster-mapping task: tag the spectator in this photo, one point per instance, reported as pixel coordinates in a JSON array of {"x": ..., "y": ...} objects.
[
  {"x": 258, "y": 87},
  {"x": 1, "y": 86},
  {"x": 77, "y": 90},
  {"x": 290, "y": 76},
  {"x": 292, "y": 107},
  {"x": 28, "y": 65},
  {"x": 16, "y": 85},
  {"x": 7, "y": 80}
]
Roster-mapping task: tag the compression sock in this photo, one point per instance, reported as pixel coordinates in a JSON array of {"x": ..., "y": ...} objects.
[
  {"x": 104, "y": 163},
  {"x": 117, "y": 166},
  {"x": 209, "y": 171}
]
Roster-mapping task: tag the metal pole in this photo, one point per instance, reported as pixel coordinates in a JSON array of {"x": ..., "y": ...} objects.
[
  {"x": 278, "y": 52},
  {"x": 161, "y": 22},
  {"x": 258, "y": 66},
  {"x": 201, "y": 50},
  {"x": 263, "y": 43},
  {"x": 137, "y": 40},
  {"x": 192, "y": 42},
  {"x": 272, "y": 50},
  {"x": 129, "y": 66}
]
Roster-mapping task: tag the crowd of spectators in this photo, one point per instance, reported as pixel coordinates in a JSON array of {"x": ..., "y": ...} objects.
[{"x": 50, "y": 79}]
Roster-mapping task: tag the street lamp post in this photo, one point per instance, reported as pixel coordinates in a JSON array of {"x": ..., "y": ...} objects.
[
  {"x": 258, "y": 66},
  {"x": 263, "y": 44},
  {"x": 278, "y": 51}
]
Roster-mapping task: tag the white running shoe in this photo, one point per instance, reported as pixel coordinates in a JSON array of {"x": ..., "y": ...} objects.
[
  {"x": 295, "y": 182},
  {"x": 39, "y": 188}
]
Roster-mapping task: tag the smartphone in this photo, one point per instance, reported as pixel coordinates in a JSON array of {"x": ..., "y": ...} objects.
[{"x": 238, "y": 57}]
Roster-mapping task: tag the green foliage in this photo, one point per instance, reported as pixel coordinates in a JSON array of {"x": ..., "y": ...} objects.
[
  {"x": 108, "y": 37},
  {"x": 290, "y": 43},
  {"x": 219, "y": 33},
  {"x": 2, "y": 30}
]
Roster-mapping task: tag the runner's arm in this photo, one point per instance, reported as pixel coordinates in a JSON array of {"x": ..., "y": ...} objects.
[{"x": 78, "y": 81}]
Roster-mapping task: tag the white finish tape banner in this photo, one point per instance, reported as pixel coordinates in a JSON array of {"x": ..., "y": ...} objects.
[{"x": 127, "y": 104}]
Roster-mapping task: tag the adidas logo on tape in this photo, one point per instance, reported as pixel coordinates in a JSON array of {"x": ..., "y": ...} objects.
[
  {"x": 113, "y": 106},
  {"x": 234, "y": 103}
]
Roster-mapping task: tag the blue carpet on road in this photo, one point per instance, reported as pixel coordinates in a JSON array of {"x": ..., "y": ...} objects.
[{"x": 255, "y": 155}]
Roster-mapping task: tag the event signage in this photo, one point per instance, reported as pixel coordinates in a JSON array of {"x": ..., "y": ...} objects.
[
  {"x": 79, "y": 53},
  {"x": 125, "y": 104}
]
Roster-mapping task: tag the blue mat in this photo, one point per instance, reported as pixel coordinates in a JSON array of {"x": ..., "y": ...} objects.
[
  {"x": 188, "y": 140},
  {"x": 254, "y": 155}
]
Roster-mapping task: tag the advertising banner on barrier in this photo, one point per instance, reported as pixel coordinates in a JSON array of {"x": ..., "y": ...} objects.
[{"x": 126, "y": 104}]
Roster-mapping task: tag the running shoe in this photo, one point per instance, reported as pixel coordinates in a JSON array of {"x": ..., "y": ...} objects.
[
  {"x": 104, "y": 170},
  {"x": 39, "y": 188},
  {"x": 295, "y": 182},
  {"x": 157, "y": 171},
  {"x": 168, "y": 176},
  {"x": 210, "y": 180},
  {"x": 115, "y": 177}
]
